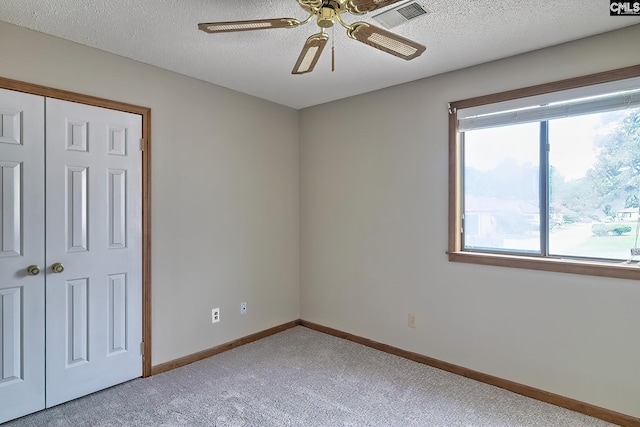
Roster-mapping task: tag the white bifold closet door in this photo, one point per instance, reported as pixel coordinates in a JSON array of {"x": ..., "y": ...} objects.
[
  {"x": 93, "y": 228},
  {"x": 21, "y": 244},
  {"x": 80, "y": 222}
]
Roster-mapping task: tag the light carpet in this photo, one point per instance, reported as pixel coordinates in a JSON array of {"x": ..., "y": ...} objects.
[{"x": 302, "y": 377}]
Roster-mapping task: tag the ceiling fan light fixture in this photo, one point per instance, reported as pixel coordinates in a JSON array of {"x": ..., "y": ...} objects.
[
  {"x": 386, "y": 41},
  {"x": 260, "y": 24},
  {"x": 310, "y": 53}
]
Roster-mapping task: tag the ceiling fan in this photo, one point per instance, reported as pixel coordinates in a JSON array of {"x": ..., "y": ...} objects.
[{"x": 327, "y": 12}]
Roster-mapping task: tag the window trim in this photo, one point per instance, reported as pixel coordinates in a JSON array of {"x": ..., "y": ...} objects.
[{"x": 563, "y": 265}]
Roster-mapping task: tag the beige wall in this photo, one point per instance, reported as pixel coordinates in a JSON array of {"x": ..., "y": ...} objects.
[
  {"x": 374, "y": 236},
  {"x": 224, "y": 196}
]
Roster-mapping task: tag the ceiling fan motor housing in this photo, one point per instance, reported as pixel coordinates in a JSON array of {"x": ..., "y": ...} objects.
[{"x": 326, "y": 17}]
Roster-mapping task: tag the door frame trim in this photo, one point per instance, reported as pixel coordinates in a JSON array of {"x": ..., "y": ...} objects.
[{"x": 145, "y": 112}]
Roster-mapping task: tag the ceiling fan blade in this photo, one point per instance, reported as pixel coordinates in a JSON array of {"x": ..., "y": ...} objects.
[
  {"x": 258, "y": 24},
  {"x": 310, "y": 53},
  {"x": 386, "y": 41},
  {"x": 358, "y": 7}
]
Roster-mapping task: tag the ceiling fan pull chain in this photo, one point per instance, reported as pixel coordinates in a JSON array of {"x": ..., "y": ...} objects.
[
  {"x": 333, "y": 59},
  {"x": 333, "y": 51}
]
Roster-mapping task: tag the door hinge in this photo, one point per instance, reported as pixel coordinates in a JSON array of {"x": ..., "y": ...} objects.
[
  {"x": 141, "y": 144},
  {"x": 142, "y": 348}
]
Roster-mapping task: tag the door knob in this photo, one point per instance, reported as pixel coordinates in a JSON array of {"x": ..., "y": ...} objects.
[
  {"x": 33, "y": 270},
  {"x": 57, "y": 267}
]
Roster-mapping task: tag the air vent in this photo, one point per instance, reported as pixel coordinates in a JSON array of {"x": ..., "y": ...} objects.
[{"x": 401, "y": 14}]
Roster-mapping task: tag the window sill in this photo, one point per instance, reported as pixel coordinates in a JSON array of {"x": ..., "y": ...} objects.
[{"x": 589, "y": 268}]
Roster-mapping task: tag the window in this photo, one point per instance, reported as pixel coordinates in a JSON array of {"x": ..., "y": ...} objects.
[{"x": 548, "y": 177}]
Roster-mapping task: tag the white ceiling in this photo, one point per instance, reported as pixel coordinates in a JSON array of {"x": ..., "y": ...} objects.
[{"x": 457, "y": 34}]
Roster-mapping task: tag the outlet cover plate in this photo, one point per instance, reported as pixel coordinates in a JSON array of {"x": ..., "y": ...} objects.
[{"x": 412, "y": 320}]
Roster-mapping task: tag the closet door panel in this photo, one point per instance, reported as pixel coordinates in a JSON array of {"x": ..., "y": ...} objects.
[
  {"x": 22, "y": 375},
  {"x": 94, "y": 230}
]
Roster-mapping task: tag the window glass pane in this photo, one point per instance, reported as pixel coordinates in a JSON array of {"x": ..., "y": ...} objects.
[
  {"x": 594, "y": 184},
  {"x": 501, "y": 188}
]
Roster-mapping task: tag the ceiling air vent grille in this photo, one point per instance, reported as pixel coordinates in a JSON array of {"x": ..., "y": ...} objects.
[{"x": 401, "y": 14}]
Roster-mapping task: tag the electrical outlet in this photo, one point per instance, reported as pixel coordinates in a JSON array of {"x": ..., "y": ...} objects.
[
  {"x": 215, "y": 315},
  {"x": 243, "y": 308},
  {"x": 412, "y": 320}
]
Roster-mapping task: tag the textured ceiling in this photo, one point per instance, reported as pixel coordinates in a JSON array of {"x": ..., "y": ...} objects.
[{"x": 164, "y": 33}]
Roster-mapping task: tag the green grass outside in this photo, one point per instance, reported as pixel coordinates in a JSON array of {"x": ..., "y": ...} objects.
[{"x": 610, "y": 246}]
